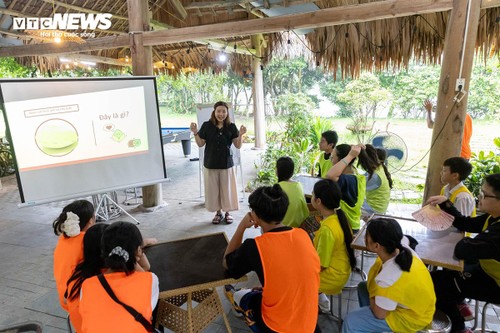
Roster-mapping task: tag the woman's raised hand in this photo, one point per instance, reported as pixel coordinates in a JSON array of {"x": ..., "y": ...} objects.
[
  {"x": 355, "y": 150},
  {"x": 243, "y": 130},
  {"x": 194, "y": 128}
]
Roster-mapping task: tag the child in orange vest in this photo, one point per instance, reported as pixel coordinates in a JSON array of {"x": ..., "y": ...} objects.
[
  {"x": 121, "y": 246},
  {"x": 92, "y": 264},
  {"x": 286, "y": 264},
  {"x": 70, "y": 226}
]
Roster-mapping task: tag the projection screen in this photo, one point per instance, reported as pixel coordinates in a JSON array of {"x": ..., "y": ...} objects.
[{"x": 78, "y": 137}]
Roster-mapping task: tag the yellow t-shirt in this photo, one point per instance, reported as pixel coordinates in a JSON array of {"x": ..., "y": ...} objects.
[
  {"x": 330, "y": 245},
  {"x": 324, "y": 164},
  {"x": 414, "y": 290},
  {"x": 297, "y": 207}
]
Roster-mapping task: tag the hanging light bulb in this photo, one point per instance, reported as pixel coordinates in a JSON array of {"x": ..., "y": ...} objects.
[{"x": 222, "y": 58}]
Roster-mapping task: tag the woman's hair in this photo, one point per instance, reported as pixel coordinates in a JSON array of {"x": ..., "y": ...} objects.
[
  {"x": 342, "y": 150},
  {"x": 494, "y": 181},
  {"x": 269, "y": 203},
  {"x": 92, "y": 260},
  {"x": 388, "y": 233},
  {"x": 119, "y": 244},
  {"x": 329, "y": 192},
  {"x": 82, "y": 208},
  {"x": 284, "y": 168},
  {"x": 382, "y": 155},
  {"x": 368, "y": 159},
  {"x": 213, "y": 120}
]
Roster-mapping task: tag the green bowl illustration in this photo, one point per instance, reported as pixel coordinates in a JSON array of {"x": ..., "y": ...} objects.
[{"x": 56, "y": 137}]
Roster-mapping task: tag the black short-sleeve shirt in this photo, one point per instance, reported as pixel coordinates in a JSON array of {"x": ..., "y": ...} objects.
[{"x": 218, "y": 141}]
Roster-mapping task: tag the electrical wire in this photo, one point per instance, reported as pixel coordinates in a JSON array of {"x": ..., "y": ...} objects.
[
  {"x": 390, "y": 42},
  {"x": 430, "y": 25},
  {"x": 325, "y": 48}
]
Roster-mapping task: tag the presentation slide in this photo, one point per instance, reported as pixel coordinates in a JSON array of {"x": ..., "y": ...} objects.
[
  {"x": 77, "y": 128},
  {"x": 78, "y": 137}
]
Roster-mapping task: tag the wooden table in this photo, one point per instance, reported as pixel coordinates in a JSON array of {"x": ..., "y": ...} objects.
[
  {"x": 434, "y": 247},
  {"x": 307, "y": 183},
  {"x": 188, "y": 271}
]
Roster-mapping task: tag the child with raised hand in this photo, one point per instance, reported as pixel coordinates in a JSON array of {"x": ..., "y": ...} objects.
[
  {"x": 297, "y": 210},
  {"x": 332, "y": 241},
  {"x": 480, "y": 279},
  {"x": 91, "y": 265},
  {"x": 352, "y": 184},
  {"x": 399, "y": 294},
  {"x": 121, "y": 247},
  {"x": 70, "y": 226}
]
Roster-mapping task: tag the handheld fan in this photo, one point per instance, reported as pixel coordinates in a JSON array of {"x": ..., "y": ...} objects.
[{"x": 396, "y": 149}]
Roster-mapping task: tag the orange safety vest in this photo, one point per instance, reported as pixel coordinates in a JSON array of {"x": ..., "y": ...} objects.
[
  {"x": 101, "y": 314},
  {"x": 291, "y": 281},
  {"x": 74, "y": 310},
  {"x": 466, "y": 151},
  {"x": 67, "y": 254}
]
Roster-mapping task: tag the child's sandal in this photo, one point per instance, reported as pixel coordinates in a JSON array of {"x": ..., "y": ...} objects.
[
  {"x": 217, "y": 218},
  {"x": 228, "y": 218}
]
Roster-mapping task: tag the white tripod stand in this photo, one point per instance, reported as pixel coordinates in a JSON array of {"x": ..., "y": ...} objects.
[{"x": 107, "y": 208}]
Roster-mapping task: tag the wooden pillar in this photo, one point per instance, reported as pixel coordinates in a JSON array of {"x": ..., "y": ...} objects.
[
  {"x": 458, "y": 55},
  {"x": 142, "y": 64},
  {"x": 258, "y": 93}
]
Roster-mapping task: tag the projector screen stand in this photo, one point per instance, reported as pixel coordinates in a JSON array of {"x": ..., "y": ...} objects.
[{"x": 108, "y": 209}]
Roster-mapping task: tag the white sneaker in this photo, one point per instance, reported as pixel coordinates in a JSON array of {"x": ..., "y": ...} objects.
[{"x": 323, "y": 303}]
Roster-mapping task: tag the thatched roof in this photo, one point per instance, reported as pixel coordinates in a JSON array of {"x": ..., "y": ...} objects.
[{"x": 349, "y": 47}]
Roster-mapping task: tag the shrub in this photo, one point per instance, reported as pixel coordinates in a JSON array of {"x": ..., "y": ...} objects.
[{"x": 483, "y": 164}]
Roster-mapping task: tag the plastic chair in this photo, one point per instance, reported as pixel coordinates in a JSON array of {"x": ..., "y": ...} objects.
[{"x": 32, "y": 326}]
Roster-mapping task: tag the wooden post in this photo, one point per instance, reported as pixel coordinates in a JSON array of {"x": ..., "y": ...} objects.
[
  {"x": 258, "y": 93},
  {"x": 142, "y": 64},
  {"x": 458, "y": 55}
]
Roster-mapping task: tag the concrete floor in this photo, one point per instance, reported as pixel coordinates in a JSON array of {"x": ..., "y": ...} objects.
[{"x": 27, "y": 287}]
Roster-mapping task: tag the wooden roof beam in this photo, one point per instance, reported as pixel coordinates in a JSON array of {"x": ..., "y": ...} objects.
[
  {"x": 211, "y": 43},
  {"x": 18, "y": 35},
  {"x": 321, "y": 18},
  {"x": 93, "y": 58},
  {"x": 490, "y": 4},
  {"x": 179, "y": 8},
  {"x": 212, "y": 4}
]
